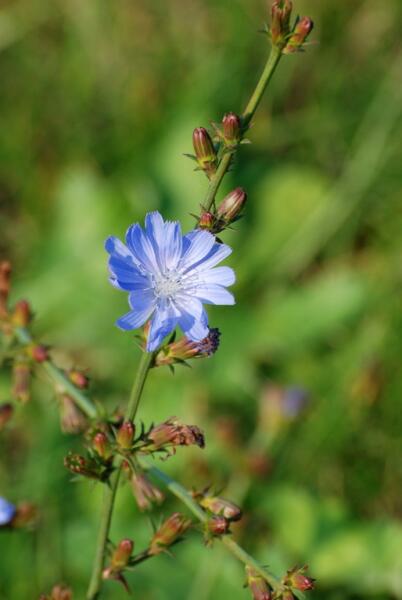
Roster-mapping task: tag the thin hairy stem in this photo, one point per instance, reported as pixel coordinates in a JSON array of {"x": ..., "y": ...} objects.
[
  {"x": 248, "y": 114},
  {"x": 111, "y": 489}
]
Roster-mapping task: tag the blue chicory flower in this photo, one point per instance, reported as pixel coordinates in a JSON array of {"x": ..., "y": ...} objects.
[
  {"x": 169, "y": 276},
  {"x": 7, "y": 512}
]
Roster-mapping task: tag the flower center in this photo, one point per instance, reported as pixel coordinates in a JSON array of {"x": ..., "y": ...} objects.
[{"x": 166, "y": 285}]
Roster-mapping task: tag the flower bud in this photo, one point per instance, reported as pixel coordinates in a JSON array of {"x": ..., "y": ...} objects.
[
  {"x": 79, "y": 465},
  {"x": 174, "y": 433},
  {"x": 21, "y": 377},
  {"x": 287, "y": 595},
  {"x": 218, "y": 526},
  {"x": 25, "y": 516},
  {"x": 72, "y": 420},
  {"x": 100, "y": 444},
  {"x": 302, "y": 30},
  {"x": 221, "y": 507},
  {"x": 230, "y": 208},
  {"x": 184, "y": 349},
  {"x": 125, "y": 435},
  {"x": 121, "y": 555},
  {"x": 258, "y": 586},
  {"x": 204, "y": 151},
  {"x": 280, "y": 22},
  {"x": 61, "y": 592},
  {"x": 168, "y": 533},
  {"x": 6, "y": 413},
  {"x": 297, "y": 579},
  {"x": 145, "y": 492},
  {"x": 5, "y": 280},
  {"x": 206, "y": 221},
  {"x": 79, "y": 379},
  {"x": 7, "y": 512},
  {"x": 38, "y": 353},
  {"x": 231, "y": 129},
  {"x": 22, "y": 314}
]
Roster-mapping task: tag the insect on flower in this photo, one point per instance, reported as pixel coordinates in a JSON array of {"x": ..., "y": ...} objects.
[{"x": 169, "y": 276}]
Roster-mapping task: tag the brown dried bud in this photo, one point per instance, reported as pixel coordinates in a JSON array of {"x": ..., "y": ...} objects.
[
  {"x": 280, "y": 22},
  {"x": 231, "y": 129},
  {"x": 221, "y": 507},
  {"x": 231, "y": 206},
  {"x": 174, "y": 433},
  {"x": 22, "y": 314},
  {"x": 297, "y": 579},
  {"x": 168, "y": 533},
  {"x": 204, "y": 151},
  {"x": 125, "y": 435},
  {"x": 258, "y": 586},
  {"x": 5, "y": 280},
  {"x": 101, "y": 445},
  {"x": 25, "y": 516},
  {"x": 6, "y": 413},
  {"x": 145, "y": 492},
  {"x": 61, "y": 592},
  {"x": 302, "y": 30},
  {"x": 184, "y": 349},
  {"x": 218, "y": 526},
  {"x": 21, "y": 377},
  {"x": 72, "y": 419},
  {"x": 79, "y": 379},
  {"x": 121, "y": 555},
  {"x": 38, "y": 352}
]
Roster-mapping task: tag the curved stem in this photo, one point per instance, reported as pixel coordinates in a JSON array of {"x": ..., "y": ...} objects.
[
  {"x": 248, "y": 114},
  {"x": 110, "y": 490}
]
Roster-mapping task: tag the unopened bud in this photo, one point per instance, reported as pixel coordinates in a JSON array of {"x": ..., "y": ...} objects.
[
  {"x": 218, "y": 526},
  {"x": 38, "y": 353},
  {"x": 231, "y": 129},
  {"x": 7, "y": 512},
  {"x": 280, "y": 22},
  {"x": 204, "y": 151},
  {"x": 79, "y": 379},
  {"x": 231, "y": 206},
  {"x": 125, "y": 435},
  {"x": 26, "y": 515},
  {"x": 101, "y": 445},
  {"x": 72, "y": 420},
  {"x": 21, "y": 377},
  {"x": 22, "y": 314},
  {"x": 298, "y": 580},
  {"x": 168, "y": 533},
  {"x": 145, "y": 493},
  {"x": 79, "y": 465},
  {"x": 258, "y": 586},
  {"x": 221, "y": 507},
  {"x": 61, "y": 592},
  {"x": 174, "y": 433},
  {"x": 6, "y": 413},
  {"x": 302, "y": 30},
  {"x": 5, "y": 280},
  {"x": 121, "y": 555},
  {"x": 206, "y": 221}
]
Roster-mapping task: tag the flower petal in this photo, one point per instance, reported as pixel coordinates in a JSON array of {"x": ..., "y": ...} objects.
[
  {"x": 142, "y": 248},
  {"x": 173, "y": 244},
  {"x": 221, "y": 275},
  {"x": 196, "y": 246},
  {"x": 217, "y": 253},
  {"x": 134, "y": 318},
  {"x": 193, "y": 319},
  {"x": 212, "y": 293},
  {"x": 163, "y": 322}
]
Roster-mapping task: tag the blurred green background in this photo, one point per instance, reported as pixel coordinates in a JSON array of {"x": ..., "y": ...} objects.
[{"x": 98, "y": 101}]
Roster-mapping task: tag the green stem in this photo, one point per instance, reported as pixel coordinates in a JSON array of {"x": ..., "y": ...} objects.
[
  {"x": 111, "y": 489},
  {"x": 248, "y": 114},
  {"x": 58, "y": 376},
  {"x": 230, "y": 544}
]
